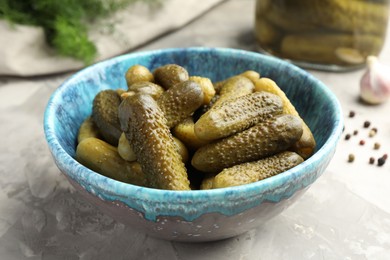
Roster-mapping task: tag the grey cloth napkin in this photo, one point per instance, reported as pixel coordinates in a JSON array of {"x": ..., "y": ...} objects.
[{"x": 24, "y": 51}]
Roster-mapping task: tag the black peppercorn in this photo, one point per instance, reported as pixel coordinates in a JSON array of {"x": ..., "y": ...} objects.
[{"x": 381, "y": 161}]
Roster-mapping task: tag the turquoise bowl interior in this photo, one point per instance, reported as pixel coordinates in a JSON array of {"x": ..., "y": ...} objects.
[{"x": 192, "y": 215}]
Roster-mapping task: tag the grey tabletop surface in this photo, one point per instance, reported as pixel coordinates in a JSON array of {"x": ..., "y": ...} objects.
[{"x": 345, "y": 214}]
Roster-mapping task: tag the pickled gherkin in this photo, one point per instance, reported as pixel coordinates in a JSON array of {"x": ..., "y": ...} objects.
[
  {"x": 268, "y": 137},
  {"x": 147, "y": 88},
  {"x": 138, "y": 73},
  {"x": 145, "y": 127},
  {"x": 104, "y": 158},
  {"x": 169, "y": 75},
  {"x": 180, "y": 101},
  {"x": 306, "y": 144},
  {"x": 237, "y": 114},
  {"x": 185, "y": 132},
  {"x": 254, "y": 171},
  {"x": 233, "y": 87},
  {"x": 105, "y": 115}
]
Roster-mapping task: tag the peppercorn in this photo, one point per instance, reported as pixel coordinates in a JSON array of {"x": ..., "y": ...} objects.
[
  {"x": 371, "y": 133},
  {"x": 347, "y": 136},
  {"x": 372, "y": 160},
  {"x": 366, "y": 124},
  {"x": 351, "y": 157},
  {"x": 381, "y": 161},
  {"x": 385, "y": 156},
  {"x": 355, "y": 132},
  {"x": 377, "y": 146},
  {"x": 351, "y": 113},
  {"x": 362, "y": 142}
]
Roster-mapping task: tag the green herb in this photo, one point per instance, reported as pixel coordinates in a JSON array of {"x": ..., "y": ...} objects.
[{"x": 64, "y": 22}]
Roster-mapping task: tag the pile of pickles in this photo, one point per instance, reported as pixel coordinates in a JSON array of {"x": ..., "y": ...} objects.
[
  {"x": 329, "y": 32},
  {"x": 174, "y": 131}
]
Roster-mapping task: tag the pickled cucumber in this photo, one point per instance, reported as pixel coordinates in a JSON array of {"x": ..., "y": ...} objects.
[
  {"x": 145, "y": 127},
  {"x": 266, "y": 32},
  {"x": 306, "y": 144},
  {"x": 87, "y": 129},
  {"x": 126, "y": 151},
  {"x": 324, "y": 46},
  {"x": 103, "y": 158},
  {"x": 138, "y": 73},
  {"x": 233, "y": 87},
  {"x": 105, "y": 115},
  {"x": 207, "y": 182},
  {"x": 147, "y": 88},
  {"x": 207, "y": 88},
  {"x": 180, "y": 101},
  {"x": 185, "y": 132},
  {"x": 345, "y": 15},
  {"x": 340, "y": 15},
  {"x": 181, "y": 149},
  {"x": 255, "y": 171},
  {"x": 281, "y": 17},
  {"x": 249, "y": 74},
  {"x": 237, "y": 114},
  {"x": 169, "y": 75},
  {"x": 264, "y": 139}
]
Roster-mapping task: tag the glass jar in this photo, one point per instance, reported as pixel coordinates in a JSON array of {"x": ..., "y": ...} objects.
[{"x": 322, "y": 34}]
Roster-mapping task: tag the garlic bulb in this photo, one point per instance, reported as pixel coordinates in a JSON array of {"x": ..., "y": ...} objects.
[{"x": 375, "y": 82}]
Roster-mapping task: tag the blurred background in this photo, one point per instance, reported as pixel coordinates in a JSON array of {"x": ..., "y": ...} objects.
[{"x": 345, "y": 215}]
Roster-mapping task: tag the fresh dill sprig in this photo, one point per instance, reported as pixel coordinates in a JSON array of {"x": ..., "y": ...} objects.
[{"x": 64, "y": 22}]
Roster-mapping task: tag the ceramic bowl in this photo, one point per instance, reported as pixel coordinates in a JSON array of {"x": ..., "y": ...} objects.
[{"x": 192, "y": 215}]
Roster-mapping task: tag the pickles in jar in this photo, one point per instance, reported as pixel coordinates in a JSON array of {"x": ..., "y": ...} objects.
[{"x": 327, "y": 34}]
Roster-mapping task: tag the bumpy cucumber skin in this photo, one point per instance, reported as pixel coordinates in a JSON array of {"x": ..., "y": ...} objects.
[
  {"x": 237, "y": 114},
  {"x": 105, "y": 115},
  {"x": 269, "y": 137},
  {"x": 169, "y": 75},
  {"x": 103, "y": 158},
  {"x": 306, "y": 144},
  {"x": 145, "y": 127},
  {"x": 255, "y": 171},
  {"x": 233, "y": 87},
  {"x": 180, "y": 101}
]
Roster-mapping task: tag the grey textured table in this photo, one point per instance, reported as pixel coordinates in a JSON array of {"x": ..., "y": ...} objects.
[{"x": 344, "y": 215}]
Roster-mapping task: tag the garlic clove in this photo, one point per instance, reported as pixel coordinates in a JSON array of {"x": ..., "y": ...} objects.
[{"x": 375, "y": 82}]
